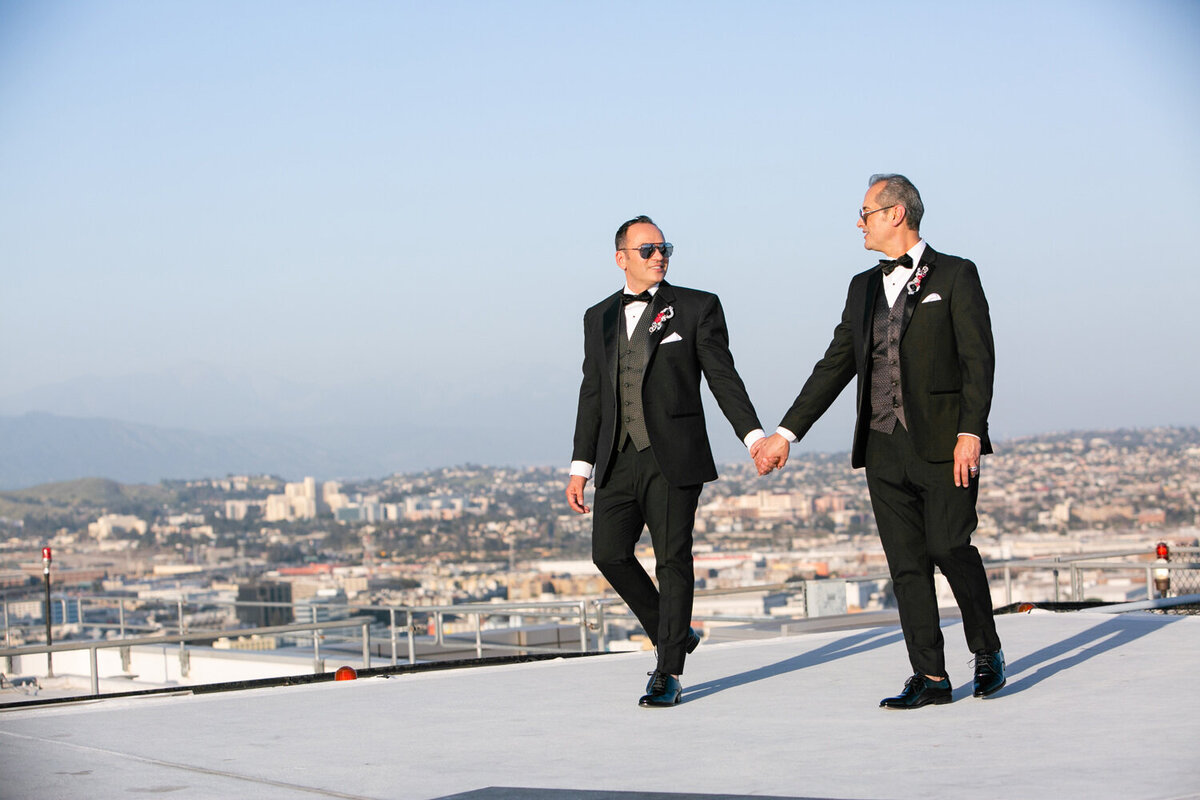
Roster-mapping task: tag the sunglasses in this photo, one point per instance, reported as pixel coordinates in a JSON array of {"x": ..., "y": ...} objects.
[
  {"x": 864, "y": 214},
  {"x": 647, "y": 250}
]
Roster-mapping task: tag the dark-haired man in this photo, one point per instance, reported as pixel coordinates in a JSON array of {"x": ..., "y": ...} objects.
[
  {"x": 917, "y": 334},
  {"x": 640, "y": 432}
]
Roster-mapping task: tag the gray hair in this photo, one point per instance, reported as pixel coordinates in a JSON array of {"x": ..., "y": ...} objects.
[{"x": 899, "y": 190}]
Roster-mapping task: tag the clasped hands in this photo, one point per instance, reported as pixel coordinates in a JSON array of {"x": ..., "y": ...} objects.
[{"x": 770, "y": 452}]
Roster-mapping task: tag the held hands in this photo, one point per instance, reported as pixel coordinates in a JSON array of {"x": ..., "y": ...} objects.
[
  {"x": 575, "y": 494},
  {"x": 770, "y": 453}
]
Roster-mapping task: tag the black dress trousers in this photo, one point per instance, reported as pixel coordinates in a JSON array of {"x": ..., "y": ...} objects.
[
  {"x": 925, "y": 520},
  {"x": 637, "y": 495}
]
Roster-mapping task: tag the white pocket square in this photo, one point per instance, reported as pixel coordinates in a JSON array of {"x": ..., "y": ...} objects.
[
  {"x": 932, "y": 298},
  {"x": 674, "y": 337}
]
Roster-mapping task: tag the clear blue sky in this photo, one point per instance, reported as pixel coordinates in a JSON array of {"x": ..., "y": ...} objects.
[{"x": 394, "y": 214}]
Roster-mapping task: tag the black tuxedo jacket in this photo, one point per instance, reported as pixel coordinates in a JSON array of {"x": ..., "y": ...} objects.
[
  {"x": 947, "y": 360},
  {"x": 691, "y": 342}
]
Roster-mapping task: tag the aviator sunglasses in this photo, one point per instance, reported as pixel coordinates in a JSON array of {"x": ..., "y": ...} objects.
[{"x": 647, "y": 250}]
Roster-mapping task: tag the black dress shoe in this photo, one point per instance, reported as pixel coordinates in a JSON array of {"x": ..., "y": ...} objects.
[
  {"x": 919, "y": 691},
  {"x": 989, "y": 672},
  {"x": 664, "y": 691},
  {"x": 650, "y": 683}
]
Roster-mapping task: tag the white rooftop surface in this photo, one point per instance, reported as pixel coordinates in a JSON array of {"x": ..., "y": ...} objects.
[{"x": 1097, "y": 706}]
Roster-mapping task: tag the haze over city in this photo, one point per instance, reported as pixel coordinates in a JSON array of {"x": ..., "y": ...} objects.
[{"x": 379, "y": 224}]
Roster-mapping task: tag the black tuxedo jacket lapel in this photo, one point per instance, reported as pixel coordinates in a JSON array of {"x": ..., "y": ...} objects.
[
  {"x": 873, "y": 288},
  {"x": 612, "y": 327},
  {"x": 612, "y": 333},
  {"x": 928, "y": 260},
  {"x": 662, "y": 298}
]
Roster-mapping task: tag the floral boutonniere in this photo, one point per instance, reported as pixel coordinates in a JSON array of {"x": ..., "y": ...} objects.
[
  {"x": 662, "y": 317},
  {"x": 914, "y": 285}
]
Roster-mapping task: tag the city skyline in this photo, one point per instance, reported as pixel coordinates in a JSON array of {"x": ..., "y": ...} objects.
[{"x": 292, "y": 217}]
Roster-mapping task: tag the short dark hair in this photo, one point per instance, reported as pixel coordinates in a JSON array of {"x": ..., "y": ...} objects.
[
  {"x": 625, "y": 226},
  {"x": 900, "y": 191}
]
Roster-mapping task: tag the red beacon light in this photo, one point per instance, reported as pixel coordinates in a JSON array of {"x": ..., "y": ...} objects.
[
  {"x": 1162, "y": 575},
  {"x": 345, "y": 674}
]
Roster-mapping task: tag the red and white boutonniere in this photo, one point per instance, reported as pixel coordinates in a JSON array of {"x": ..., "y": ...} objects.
[
  {"x": 914, "y": 285},
  {"x": 662, "y": 317}
]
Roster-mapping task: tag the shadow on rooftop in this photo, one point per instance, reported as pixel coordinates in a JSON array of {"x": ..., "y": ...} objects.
[
  {"x": 525, "y": 793},
  {"x": 845, "y": 647},
  {"x": 1023, "y": 673},
  {"x": 1102, "y": 638}
]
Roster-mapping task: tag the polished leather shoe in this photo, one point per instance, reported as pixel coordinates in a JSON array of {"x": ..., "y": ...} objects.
[
  {"x": 919, "y": 691},
  {"x": 989, "y": 672},
  {"x": 664, "y": 691}
]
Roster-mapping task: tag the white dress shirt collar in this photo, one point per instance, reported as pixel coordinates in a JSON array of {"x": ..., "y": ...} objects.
[
  {"x": 894, "y": 283},
  {"x": 653, "y": 290}
]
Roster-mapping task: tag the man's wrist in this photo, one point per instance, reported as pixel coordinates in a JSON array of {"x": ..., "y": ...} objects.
[
  {"x": 752, "y": 437},
  {"x": 785, "y": 433}
]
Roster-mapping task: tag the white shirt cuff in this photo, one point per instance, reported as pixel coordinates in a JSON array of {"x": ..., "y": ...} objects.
[
  {"x": 581, "y": 468},
  {"x": 977, "y": 436},
  {"x": 753, "y": 436},
  {"x": 785, "y": 433}
]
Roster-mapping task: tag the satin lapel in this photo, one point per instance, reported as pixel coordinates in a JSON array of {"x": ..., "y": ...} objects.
[
  {"x": 874, "y": 287},
  {"x": 663, "y": 298},
  {"x": 911, "y": 301},
  {"x": 611, "y": 330}
]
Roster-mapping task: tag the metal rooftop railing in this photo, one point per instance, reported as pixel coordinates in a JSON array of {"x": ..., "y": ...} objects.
[{"x": 412, "y": 634}]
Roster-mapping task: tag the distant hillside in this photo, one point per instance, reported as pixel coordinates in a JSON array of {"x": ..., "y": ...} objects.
[
  {"x": 42, "y": 448},
  {"x": 87, "y": 492},
  {"x": 38, "y": 448}
]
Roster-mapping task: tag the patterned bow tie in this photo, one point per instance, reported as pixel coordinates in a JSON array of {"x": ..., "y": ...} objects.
[
  {"x": 644, "y": 297},
  {"x": 903, "y": 261}
]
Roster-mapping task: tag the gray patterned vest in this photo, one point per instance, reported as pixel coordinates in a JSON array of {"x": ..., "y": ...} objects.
[
  {"x": 631, "y": 361},
  {"x": 887, "y": 404}
]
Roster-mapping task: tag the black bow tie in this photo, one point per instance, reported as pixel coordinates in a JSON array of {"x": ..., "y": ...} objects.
[
  {"x": 644, "y": 297},
  {"x": 903, "y": 261}
]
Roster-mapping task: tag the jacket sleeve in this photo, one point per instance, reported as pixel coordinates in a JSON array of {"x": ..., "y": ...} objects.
[
  {"x": 587, "y": 416},
  {"x": 829, "y": 377},
  {"x": 976, "y": 350},
  {"x": 716, "y": 361}
]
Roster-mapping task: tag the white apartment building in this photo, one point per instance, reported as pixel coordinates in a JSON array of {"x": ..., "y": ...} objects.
[
  {"x": 103, "y": 527},
  {"x": 298, "y": 501}
]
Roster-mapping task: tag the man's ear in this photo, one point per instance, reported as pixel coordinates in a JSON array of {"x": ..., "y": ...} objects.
[
  {"x": 621, "y": 259},
  {"x": 899, "y": 212}
]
